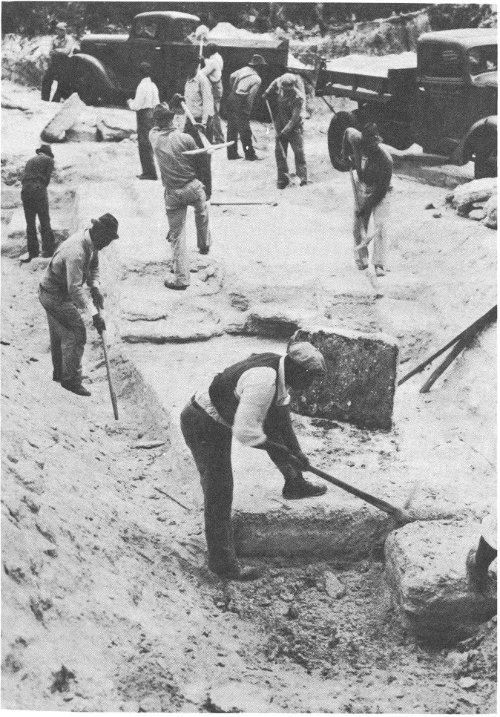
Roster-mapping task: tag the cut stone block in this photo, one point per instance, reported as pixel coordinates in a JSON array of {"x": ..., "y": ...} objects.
[
  {"x": 468, "y": 194},
  {"x": 55, "y": 130},
  {"x": 426, "y": 575},
  {"x": 361, "y": 379},
  {"x": 82, "y": 132},
  {"x": 178, "y": 330}
]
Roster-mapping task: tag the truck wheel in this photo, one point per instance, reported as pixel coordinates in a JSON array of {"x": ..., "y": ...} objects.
[
  {"x": 340, "y": 122},
  {"x": 86, "y": 86},
  {"x": 485, "y": 157}
]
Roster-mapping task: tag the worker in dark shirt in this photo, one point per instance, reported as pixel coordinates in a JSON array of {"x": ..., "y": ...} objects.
[
  {"x": 35, "y": 200},
  {"x": 373, "y": 165}
]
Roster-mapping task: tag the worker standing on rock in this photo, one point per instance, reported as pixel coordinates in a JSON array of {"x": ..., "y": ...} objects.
[
  {"x": 243, "y": 85},
  {"x": 62, "y": 47},
  {"x": 289, "y": 127},
  {"x": 180, "y": 174},
  {"x": 35, "y": 199},
  {"x": 145, "y": 100},
  {"x": 250, "y": 401},
  {"x": 62, "y": 296},
  {"x": 212, "y": 69},
  {"x": 373, "y": 165}
]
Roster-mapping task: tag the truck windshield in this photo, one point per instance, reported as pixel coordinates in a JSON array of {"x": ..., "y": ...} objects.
[
  {"x": 483, "y": 59},
  {"x": 146, "y": 28}
]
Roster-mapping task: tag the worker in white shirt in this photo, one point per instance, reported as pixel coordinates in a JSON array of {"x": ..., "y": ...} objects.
[
  {"x": 145, "y": 100},
  {"x": 244, "y": 85},
  {"x": 250, "y": 401},
  {"x": 214, "y": 64}
]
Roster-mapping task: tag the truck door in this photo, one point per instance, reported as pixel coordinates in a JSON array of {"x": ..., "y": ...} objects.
[
  {"x": 145, "y": 46},
  {"x": 179, "y": 42},
  {"x": 442, "y": 97}
]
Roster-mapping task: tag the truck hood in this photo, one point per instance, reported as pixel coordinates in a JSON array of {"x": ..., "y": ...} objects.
[
  {"x": 486, "y": 79},
  {"x": 108, "y": 39}
]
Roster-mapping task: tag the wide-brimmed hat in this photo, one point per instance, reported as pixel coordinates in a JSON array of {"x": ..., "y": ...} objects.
[
  {"x": 45, "y": 149},
  {"x": 307, "y": 357},
  {"x": 61, "y": 26},
  {"x": 108, "y": 224},
  {"x": 256, "y": 61},
  {"x": 162, "y": 113}
]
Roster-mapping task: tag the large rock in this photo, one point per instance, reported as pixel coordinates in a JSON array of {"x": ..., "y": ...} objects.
[
  {"x": 361, "y": 379},
  {"x": 466, "y": 195},
  {"x": 491, "y": 212},
  {"x": 63, "y": 120},
  {"x": 426, "y": 575}
]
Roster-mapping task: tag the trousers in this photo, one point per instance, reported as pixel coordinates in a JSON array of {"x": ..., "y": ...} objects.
[
  {"x": 296, "y": 141},
  {"x": 144, "y": 125},
  {"x": 238, "y": 124},
  {"x": 67, "y": 336},
  {"x": 217, "y": 133},
  {"x": 380, "y": 214},
  {"x": 176, "y": 204},
  {"x": 36, "y": 204},
  {"x": 58, "y": 70},
  {"x": 210, "y": 444}
]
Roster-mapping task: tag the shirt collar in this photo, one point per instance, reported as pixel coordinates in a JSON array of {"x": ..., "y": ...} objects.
[{"x": 282, "y": 389}]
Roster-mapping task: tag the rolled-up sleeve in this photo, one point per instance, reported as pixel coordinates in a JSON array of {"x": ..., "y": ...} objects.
[{"x": 256, "y": 389}]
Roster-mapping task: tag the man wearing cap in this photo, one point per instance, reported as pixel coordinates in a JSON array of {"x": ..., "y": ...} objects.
[
  {"x": 62, "y": 47},
  {"x": 373, "y": 165},
  {"x": 61, "y": 294},
  {"x": 243, "y": 87},
  {"x": 181, "y": 175},
  {"x": 289, "y": 127},
  {"x": 212, "y": 69},
  {"x": 250, "y": 401},
  {"x": 35, "y": 199},
  {"x": 145, "y": 100}
]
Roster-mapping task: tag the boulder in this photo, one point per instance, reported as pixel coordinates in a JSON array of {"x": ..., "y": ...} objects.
[
  {"x": 466, "y": 195},
  {"x": 477, "y": 214},
  {"x": 55, "y": 130},
  {"x": 426, "y": 575},
  {"x": 490, "y": 209},
  {"x": 361, "y": 379}
]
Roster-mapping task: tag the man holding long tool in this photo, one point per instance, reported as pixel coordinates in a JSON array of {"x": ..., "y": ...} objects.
[
  {"x": 373, "y": 165},
  {"x": 181, "y": 176},
  {"x": 61, "y": 294},
  {"x": 289, "y": 127},
  {"x": 243, "y": 85},
  {"x": 250, "y": 401}
]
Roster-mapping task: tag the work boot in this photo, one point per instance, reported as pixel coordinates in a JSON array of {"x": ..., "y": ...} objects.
[
  {"x": 56, "y": 377},
  {"x": 251, "y": 157},
  {"x": 283, "y": 184},
  {"x": 26, "y": 258},
  {"x": 303, "y": 182},
  {"x": 75, "y": 388},
  {"x": 297, "y": 487},
  {"x": 240, "y": 573},
  {"x": 146, "y": 176},
  {"x": 47, "y": 254},
  {"x": 204, "y": 250}
]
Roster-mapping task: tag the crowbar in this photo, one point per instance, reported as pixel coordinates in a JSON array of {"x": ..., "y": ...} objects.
[{"x": 108, "y": 372}]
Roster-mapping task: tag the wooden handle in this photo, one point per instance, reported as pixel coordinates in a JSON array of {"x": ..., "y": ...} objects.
[
  {"x": 112, "y": 393},
  {"x": 206, "y": 144}
]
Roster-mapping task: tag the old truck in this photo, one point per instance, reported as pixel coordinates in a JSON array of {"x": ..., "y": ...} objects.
[
  {"x": 444, "y": 98},
  {"x": 106, "y": 67}
]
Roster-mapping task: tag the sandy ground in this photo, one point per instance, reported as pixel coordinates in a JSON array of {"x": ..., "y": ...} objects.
[{"x": 107, "y": 601}]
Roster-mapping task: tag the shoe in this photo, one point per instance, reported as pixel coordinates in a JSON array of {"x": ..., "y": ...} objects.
[
  {"x": 251, "y": 157},
  {"x": 303, "y": 182},
  {"x": 47, "y": 254},
  {"x": 56, "y": 378},
  {"x": 175, "y": 287},
  {"x": 205, "y": 250},
  {"x": 282, "y": 185},
  {"x": 242, "y": 574},
  {"x": 478, "y": 579},
  {"x": 146, "y": 176},
  {"x": 236, "y": 156},
  {"x": 25, "y": 258},
  {"x": 302, "y": 489},
  {"x": 75, "y": 388},
  {"x": 379, "y": 270}
]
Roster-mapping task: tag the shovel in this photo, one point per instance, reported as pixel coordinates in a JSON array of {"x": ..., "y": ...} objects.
[
  {"x": 112, "y": 393},
  {"x": 207, "y": 147}
]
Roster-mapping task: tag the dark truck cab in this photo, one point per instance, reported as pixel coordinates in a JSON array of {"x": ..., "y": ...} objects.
[
  {"x": 106, "y": 68},
  {"x": 445, "y": 99}
]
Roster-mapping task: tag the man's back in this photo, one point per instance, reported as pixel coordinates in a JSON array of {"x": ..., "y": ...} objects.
[
  {"x": 176, "y": 168},
  {"x": 38, "y": 170}
]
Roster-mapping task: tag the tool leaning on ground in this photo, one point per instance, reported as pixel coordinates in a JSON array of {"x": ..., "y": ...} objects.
[
  {"x": 207, "y": 147},
  {"x": 400, "y": 516},
  {"x": 108, "y": 371}
]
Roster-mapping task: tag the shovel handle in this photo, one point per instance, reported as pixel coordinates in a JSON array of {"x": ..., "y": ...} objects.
[{"x": 112, "y": 393}]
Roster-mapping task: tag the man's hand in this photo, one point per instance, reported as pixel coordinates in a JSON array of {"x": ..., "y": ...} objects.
[
  {"x": 99, "y": 324},
  {"x": 97, "y": 297}
]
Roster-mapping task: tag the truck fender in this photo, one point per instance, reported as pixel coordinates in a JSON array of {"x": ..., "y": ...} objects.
[
  {"x": 82, "y": 64},
  {"x": 486, "y": 126}
]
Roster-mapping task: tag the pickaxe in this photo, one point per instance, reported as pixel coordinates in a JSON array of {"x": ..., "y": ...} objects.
[{"x": 207, "y": 147}]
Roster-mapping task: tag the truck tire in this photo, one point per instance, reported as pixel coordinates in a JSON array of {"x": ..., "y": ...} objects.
[
  {"x": 485, "y": 158},
  {"x": 86, "y": 85},
  {"x": 340, "y": 122}
]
